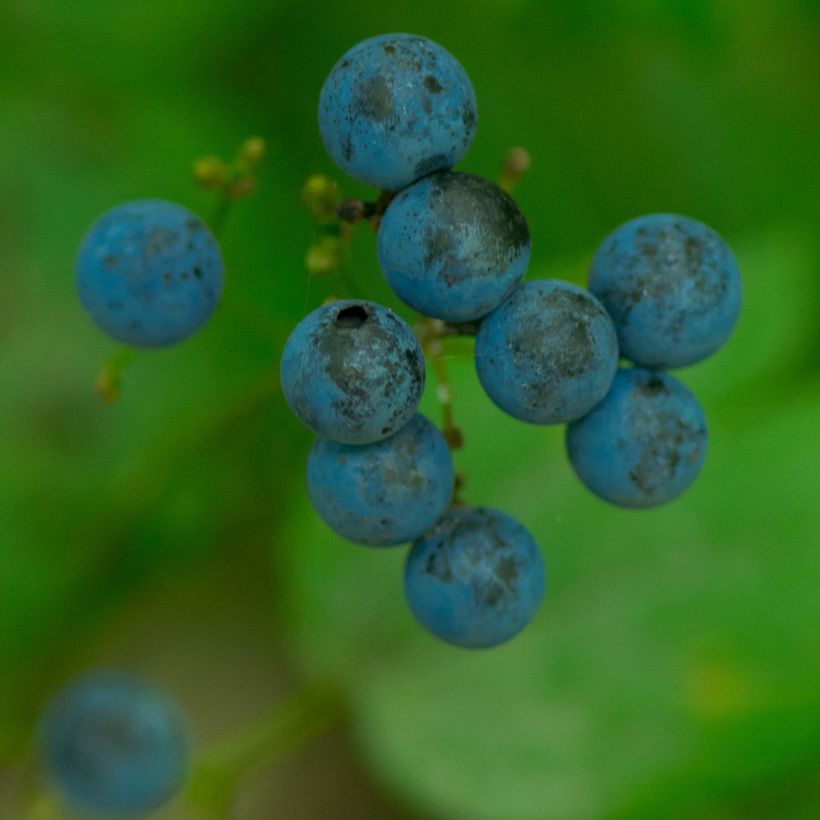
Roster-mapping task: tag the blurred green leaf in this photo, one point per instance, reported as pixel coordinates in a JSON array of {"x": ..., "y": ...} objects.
[{"x": 650, "y": 653}]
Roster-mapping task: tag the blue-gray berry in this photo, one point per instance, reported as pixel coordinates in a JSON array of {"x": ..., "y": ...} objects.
[
  {"x": 644, "y": 444},
  {"x": 149, "y": 273},
  {"x": 476, "y": 579},
  {"x": 548, "y": 354},
  {"x": 672, "y": 287},
  {"x": 353, "y": 372},
  {"x": 453, "y": 246},
  {"x": 395, "y": 108}
]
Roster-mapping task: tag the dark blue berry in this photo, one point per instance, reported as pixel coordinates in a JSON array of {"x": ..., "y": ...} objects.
[
  {"x": 395, "y": 108},
  {"x": 672, "y": 287},
  {"x": 453, "y": 246},
  {"x": 386, "y": 493},
  {"x": 353, "y": 372},
  {"x": 113, "y": 745},
  {"x": 644, "y": 444},
  {"x": 548, "y": 354},
  {"x": 149, "y": 273},
  {"x": 476, "y": 579}
]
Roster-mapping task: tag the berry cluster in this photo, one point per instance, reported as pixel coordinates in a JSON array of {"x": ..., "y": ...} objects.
[{"x": 397, "y": 111}]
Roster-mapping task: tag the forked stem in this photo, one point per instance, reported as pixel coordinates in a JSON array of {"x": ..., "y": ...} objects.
[{"x": 220, "y": 772}]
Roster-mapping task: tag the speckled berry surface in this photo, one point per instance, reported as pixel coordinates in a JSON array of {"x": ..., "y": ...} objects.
[
  {"x": 672, "y": 287},
  {"x": 476, "y": 579},
  {"x": 353, "y": 372},
  {"x": 395, "y": 108},
  {"x": 644, "y": 444},
  {"x": 113, "y": 745},
  {"x": 548, "y": 354},
  {"x": 453, "y": 246},
  {"x": 149, "y": 273},
  {"x": 386, "y": 493}
]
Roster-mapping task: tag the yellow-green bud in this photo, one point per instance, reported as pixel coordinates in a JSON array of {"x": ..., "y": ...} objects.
[
  {"x": 321, "y": 197},
  {"x": 252, "y": 152},
  {"x": 211, "y": 172},
  {"x": 324, "y": 257}
]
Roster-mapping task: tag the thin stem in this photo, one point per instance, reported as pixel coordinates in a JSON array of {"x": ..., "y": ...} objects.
[
  {"x": 345, "y": 239},
  {"x": 219, "y": 216},
  {"x": 308, "y": 713},
  {"x": 109, "y": 380},
  {"x": 353, "y": 210},
  {"x": 431, "y": 333}
]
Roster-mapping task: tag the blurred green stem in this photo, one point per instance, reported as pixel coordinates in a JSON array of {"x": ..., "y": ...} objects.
[
  {"x": 309, "y": 712},
  {"x": 345, "y": 239},
  {"x": 109, "y": 381}
]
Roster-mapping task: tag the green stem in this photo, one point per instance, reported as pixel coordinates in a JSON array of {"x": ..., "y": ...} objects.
[
  {"x": 309, "y": 712},
  {"x": 219, "y": 217},
  {"x": 345, "y": 240},
  {"x": 109, "y": 381},
  {"x": 431, "y": 333},
  {"x": 347, "y": 277}
]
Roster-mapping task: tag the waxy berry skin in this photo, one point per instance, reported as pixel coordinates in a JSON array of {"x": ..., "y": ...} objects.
[
  {"x": 395, "y": 108},
  {"x": 453, "y": 246},
  {"x": 476, "y": 579},
  {"x": 548, "y": 354},
  {"x": 644, "y": 444},
  {"x": 149, "y": 273},
  {"x": 672, "y": 287},
  {"x": 386, "y": 493},
  {"x": 353, "y": 372}
]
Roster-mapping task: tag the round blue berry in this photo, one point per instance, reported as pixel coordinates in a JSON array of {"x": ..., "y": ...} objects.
[
  {"x": 385, "y": 493},
  {"x": 113, "y": 745},
  {"x": 644, "y": 444},
  {"x": 672, "y": 287},
  {"x": 395, "y": 108},
  {"x": 353, "y": 372},
  {"x": 453, "y": 246},
  {"x": 476, "y": 579},
  {"x": 548, "y": 354},
  {"x": 149, "y": 273}
]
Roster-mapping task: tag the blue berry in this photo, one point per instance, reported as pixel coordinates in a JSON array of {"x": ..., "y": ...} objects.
[
  {"x": 476, "y": 579},
  {"x": 644, "y": 444},
  {"x": 395, "y": 108},
  {"x": 113, "y": 745},
  {"x": 353, "y": 372},
  {"x": 149, "y": 273},
  {"x": 672, "y": 287},
  {"x": 453, "y": 246},
  {"x": 548, "y": 354},
  {"x": 386, "y": 493}
]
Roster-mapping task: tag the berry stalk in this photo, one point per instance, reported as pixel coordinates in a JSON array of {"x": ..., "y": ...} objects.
[{"x": 308, "y": 713}]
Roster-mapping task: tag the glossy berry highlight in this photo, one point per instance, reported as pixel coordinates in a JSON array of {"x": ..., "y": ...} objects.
[
  {"x": 672, "y": 287},
  {"x": 395, "y": 108},
  {"x": 386, "y": 493},
  {"x": 353, "y": 372},
  {"x": 644, "y": 444},
  {"x": 149, "y": 273},
  {"x": 548, "y": 354},
  {"x": 453, "y": 246},
  {"x": 113, "y": 745},
  {"x": 476, "y": 579}
]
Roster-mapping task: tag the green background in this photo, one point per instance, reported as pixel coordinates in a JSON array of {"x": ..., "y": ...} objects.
[{"x": 673, "y": 669}]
